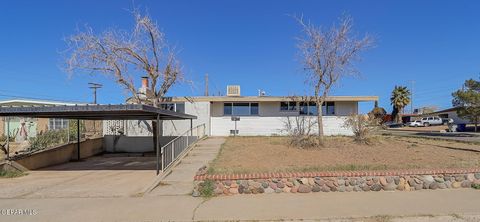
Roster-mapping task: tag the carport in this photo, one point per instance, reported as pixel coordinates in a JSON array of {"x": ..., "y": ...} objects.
[{"x": 101, "y": 112}]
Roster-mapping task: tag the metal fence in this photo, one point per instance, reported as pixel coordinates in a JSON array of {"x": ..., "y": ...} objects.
[{"x": 178, "y": 146}]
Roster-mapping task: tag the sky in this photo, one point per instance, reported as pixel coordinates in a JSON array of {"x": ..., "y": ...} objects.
[{"x": 433, "y": 46}]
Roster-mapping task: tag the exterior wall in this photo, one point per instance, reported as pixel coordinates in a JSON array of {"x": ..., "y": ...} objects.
[
  {"x": 267, "y": 126},
  {"x": 60, "y": 154},
  {"x": 199, "y": 109},
  {"x": 457, "y": 120},
  {"x": 271, "y": 121}
]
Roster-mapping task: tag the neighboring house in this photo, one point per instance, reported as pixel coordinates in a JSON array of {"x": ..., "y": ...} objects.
[
  {"x": 24, "y": 128},
  {"x": 452, "y": 114}
]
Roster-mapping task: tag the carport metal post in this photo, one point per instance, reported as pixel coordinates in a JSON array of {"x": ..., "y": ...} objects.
[
  {"x": 157, "y": 144},
  {"x": 78, "y": 139},
  {"x": 8, "y": 137}
]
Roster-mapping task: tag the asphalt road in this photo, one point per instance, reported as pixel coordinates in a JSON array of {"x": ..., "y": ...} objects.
[{"x": 457, "y": 136}]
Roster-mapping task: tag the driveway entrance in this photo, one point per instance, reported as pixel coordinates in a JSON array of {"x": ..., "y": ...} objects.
[{"x": 98, "y": 176}]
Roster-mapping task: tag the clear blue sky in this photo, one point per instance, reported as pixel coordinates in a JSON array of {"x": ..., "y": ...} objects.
[{"x": 434, "y": 43}]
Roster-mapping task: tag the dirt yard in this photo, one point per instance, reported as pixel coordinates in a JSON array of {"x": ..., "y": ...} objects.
[{"x": 273, "y": 154}]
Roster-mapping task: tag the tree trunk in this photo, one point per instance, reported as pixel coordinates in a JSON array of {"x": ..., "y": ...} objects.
[{"x": 320, "y": 121}]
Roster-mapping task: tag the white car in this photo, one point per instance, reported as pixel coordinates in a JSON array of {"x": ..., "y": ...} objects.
[
  {"x": 431, "y": 120},
  {"x": 415, "y": 123}
]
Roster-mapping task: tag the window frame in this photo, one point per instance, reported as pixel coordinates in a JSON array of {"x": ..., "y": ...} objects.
[
  {"x": 57, "y": 124},
  {"x": 326, "y": 106},
  {"x": 232, "y": 110},
  {"x": 289, "y": 105}
]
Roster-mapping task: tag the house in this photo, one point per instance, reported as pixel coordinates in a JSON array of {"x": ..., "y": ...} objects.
[
  {"x": 452, "y": 114},
  {"x": 259, "y": 115},
  {"x": 24, "y": 128}
]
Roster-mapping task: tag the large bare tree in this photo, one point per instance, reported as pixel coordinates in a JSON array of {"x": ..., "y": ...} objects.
[
  {"x": 328, "y": 55},
  {"x": 127, "y": 55}
]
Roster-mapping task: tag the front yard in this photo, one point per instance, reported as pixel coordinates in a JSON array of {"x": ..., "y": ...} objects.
[{"x": 273, "y": 154}]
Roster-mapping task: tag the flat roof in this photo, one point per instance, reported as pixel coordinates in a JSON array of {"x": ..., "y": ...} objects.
[
  {"x": 268, "y": 98},
  {"x": 94, "y": 112}
]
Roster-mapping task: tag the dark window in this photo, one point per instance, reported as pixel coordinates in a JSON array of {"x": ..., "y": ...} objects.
[
  {"x": 240, "y": 109},
  {"x": 176, "y": 107},
  {"x": 303, "y": 108},
  {"x": 180, "y": 107},
  {"x": 310, "y": 108},
  {"x": 253, "y": 108},
  {"x": 292, "y": 105},
  {"x": 288, "y": 106},
  {"x": 227, "y": 109},
  {"x": 328, "y": 109}
]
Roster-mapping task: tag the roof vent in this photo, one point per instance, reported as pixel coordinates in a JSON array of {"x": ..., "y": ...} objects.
[{"x": 233, "y": 90}]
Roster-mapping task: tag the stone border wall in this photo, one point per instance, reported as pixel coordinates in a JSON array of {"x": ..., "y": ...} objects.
[{"x": 404, "y": 180}]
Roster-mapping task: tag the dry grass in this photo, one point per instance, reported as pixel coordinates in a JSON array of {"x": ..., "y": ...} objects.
[{"x": 273, "y": 154}]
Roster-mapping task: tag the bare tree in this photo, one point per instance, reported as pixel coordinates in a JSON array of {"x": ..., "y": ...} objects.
[
  {"x": 120, "y": 54},
  {"x": 328, "y": 56}
]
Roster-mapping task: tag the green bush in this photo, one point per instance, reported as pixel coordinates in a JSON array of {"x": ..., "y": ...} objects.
[
  {"x": 48, "y": 139},
  {"x": 207, "y": 188},
  {"x": 56, "y": 137},
  {"x": 476, "y": 186},
  {"x": 11, "y": 173}
]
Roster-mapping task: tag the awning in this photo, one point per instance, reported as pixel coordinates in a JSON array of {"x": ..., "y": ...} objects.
[{"x": 94, "y": 112}]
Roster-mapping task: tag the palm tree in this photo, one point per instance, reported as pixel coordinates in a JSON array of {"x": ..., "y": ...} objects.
[{"x": 399, "y": 99}]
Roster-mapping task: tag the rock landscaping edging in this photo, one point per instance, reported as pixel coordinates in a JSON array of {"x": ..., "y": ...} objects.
[{"x": 355, "y": 181}]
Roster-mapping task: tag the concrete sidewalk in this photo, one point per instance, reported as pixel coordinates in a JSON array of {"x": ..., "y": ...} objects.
[
  {"x": 312, "y": 206},
  {"x": 180, "y": 180}
]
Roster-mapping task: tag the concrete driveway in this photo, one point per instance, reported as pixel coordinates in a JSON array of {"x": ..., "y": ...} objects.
[{"x": 99, "y": 176}]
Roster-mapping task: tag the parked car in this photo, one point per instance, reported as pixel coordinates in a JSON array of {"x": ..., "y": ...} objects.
[
  {"x": 415, "y": 123},
  {"x": 431, "y": 120}
]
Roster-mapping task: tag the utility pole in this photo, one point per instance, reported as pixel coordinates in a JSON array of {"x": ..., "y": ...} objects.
[
  {"x": 206, "y": 84},
  {"x": 94, "y": 86},
  {"x": 411, "y": 97}
]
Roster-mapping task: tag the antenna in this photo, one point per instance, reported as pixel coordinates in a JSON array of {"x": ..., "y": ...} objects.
[
  {"x": 206, "y": 84},
  {"x": 411, "y": 97},
  {"x": 94, "y": 86}
]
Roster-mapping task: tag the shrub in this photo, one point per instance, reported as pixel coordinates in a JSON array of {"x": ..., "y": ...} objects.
[
  {"x": 362, "y": 126},
  {"x": 476, "y": 186},
  {"x": 48, "y": 139},
  {"x": 11, "y": 173},
  {"x": 300, "y": 131},
  {"x": 207, "y": 188}
]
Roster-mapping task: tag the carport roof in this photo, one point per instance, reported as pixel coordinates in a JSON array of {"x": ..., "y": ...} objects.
[{"x": 94, "y": 112}]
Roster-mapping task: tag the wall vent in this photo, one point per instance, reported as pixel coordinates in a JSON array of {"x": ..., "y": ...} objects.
[{"x": 233, "y": 90}]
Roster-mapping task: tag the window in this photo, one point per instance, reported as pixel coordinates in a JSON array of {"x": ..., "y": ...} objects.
[
  {"x": 227, "y": 109},
  {"x": 57, "y": 124},
  {"x": 240, "y": 109},
  {"x": 253, "y": 108},
  {"x": 310, "y": 108},
  {"x": 288, "y": 106},
  {"x": 328, "y": 109},
  {"x": 176, "y": 107}
]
